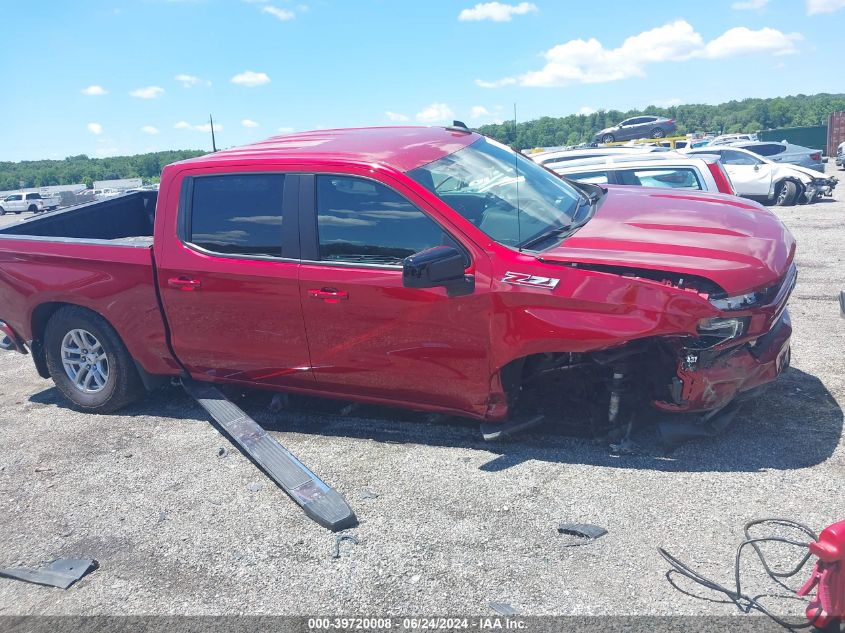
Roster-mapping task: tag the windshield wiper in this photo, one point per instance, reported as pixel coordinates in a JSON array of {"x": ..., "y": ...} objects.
[{"x": 558, "y": 230}]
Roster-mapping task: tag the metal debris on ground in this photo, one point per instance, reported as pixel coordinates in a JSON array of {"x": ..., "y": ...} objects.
[
  {"x": 338, "y": 540},
  {"x": 580, "y": 533},
  {"x": 255, "y": 486},
  {"x": 503, "y": 608},
  {"x": 367, "y": 494},
  {"x": 61, "y": 573},
  {"x": 222, "y": 451}
]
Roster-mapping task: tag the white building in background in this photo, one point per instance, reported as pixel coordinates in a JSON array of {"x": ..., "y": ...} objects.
[{"x": 123, "y": 183}]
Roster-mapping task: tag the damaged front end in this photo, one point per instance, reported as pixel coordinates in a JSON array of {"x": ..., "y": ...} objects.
[{"x": 819, "y": 187}]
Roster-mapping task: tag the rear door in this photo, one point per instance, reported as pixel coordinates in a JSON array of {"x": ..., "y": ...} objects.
[
  {"x": 229, "y": 283},
  {"x": 369, "y": 336}
]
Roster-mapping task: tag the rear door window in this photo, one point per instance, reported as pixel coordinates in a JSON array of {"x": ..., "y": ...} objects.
[
  {"x": 674, "y": 177},
  {"x": 33, "y": 196},
  {"x": 594, "y": 177},
  {"x": 362, "y": 221},
  {"x": 769, "y": 149},
  {"x": 237, "y": 214}
]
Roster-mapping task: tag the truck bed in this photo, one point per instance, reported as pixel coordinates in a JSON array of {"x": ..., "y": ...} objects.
[
  {"x": 96, "y": 255},
  {"x": 124, "y": 220}
]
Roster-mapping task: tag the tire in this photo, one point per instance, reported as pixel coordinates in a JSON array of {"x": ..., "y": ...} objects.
[
  {"x": 2, "y": 211},
  {"x": 785, "y": 194},
  {"x": 119, "y": 383},
  {"x": 32, "y": 208},
  {"x": 18, "y": 212},
  {"x": 657, "y": 133},
  {"x": 607, "y": 138}
]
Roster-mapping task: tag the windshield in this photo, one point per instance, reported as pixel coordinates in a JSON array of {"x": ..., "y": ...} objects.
[{"x": 487, "y": 182}]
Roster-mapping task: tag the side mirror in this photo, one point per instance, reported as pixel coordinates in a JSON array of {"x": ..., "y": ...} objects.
[{"x": 440, "y": 266}]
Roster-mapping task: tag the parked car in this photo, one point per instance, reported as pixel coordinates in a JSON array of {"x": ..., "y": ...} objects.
[
  {"x": 761, "y": 179},
  {"x": 637, "y": 127},
  {"x": 784, "y": 152},
  {"x": 670, "y": 169},
  {"x": 726, "y": 139},
  {"x": 558, "y": 157},
  {"x": 27, "y": 201},
  {"x": 840, "y": 155},
  {"x": 429, "y": 268},
  {"x": 104, "y": 194}
]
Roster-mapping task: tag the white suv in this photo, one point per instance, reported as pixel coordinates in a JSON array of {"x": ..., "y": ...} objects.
[{"x": 761, "y": 179}]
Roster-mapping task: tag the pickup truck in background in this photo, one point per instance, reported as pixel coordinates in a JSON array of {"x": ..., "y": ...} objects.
[
  {"x": 28, "y": 201},
  {"x": 427, "y": 268}
]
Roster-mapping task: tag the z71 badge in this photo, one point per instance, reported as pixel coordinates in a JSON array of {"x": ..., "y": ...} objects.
[{"x": 524, "y": 279}]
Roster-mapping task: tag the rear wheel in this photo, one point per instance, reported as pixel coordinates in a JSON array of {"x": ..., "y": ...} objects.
[
  {"x": 88, "y": 362},
  {"x": 607, "y": 138},
  {"x": 657, "y": 133},
  {"x": 33, "y": 208},
  {"x": 786, "y": 192},
  {"x": 2, "y": 211}
]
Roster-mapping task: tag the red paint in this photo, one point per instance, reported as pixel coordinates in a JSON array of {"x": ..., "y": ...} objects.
[
  {"x": 358, "y": 333},
  {"x": 828, "y": 577}
]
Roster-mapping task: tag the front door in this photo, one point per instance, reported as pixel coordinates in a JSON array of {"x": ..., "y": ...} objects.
[
  {"x": 229, "y": 284},
  {"x": 369, "y": 336},
  {"x": 750, "y": 176}
]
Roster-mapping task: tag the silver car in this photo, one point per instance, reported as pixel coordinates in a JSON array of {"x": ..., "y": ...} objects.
[
  {"x": 637, "y": 127},
  {"x": 784, "y": 152}
]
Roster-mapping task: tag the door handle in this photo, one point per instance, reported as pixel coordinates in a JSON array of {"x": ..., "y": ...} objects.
[
  {"x": 183, "y": 283},
  {"x": 329, "y": 295}
]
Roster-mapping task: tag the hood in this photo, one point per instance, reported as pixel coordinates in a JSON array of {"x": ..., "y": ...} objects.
[{"x": 736, "y": 243}]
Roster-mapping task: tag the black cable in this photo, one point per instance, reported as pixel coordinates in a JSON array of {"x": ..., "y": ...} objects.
[{"x": 744, "y": 602}]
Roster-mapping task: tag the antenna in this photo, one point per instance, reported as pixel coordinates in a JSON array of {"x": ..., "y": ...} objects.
[
  {"x": 516, "y": 168},
  {"x": 213, "y": 143}
]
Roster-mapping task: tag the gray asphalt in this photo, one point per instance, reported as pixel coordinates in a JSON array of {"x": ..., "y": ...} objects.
[{"x": 456, "y": 523}]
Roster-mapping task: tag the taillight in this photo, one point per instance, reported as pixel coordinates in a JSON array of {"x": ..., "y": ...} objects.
[
  {"x": 723, "y": 181},
  {"x": 816, "y": 156}
]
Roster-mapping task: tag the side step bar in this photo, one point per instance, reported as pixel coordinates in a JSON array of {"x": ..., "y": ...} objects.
[{"x": 321, "y": 502}]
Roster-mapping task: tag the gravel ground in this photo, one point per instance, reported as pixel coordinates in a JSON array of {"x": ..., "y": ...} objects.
[{"x": 456, "y": 523}]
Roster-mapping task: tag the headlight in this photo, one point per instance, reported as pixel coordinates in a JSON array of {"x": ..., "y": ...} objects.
[
  {"x": 737, "y": 302},
  {"x": 722, "y": 328}
]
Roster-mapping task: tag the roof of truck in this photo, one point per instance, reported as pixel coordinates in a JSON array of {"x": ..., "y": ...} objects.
[{"x": 402, "y": 148}]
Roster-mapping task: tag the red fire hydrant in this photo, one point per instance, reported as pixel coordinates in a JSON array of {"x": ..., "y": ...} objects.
[{"x": 828, "y": 577}]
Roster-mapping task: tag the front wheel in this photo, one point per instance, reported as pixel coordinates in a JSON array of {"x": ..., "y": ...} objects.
[
  {"x": 88, "y": 362},
  {"x": 786, "y": 192},
  {"x": 2, "y": 211},
  {"x": 607, "y": 138}
]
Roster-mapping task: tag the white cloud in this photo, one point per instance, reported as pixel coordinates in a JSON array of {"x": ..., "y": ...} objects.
[
  {"x": 496, "y": 11},
  {"x": 189, "y": 81},
  {"x": 478, "y": 112},
  {"x": 586, "y": 110},
  {"x": 94, "y": 91},
  {"x": 283, "y": 14},
  {"x": 749, "y": 5},
  {"x": 202, "y": 127},
  {"x": 249, "y": 123},
  {"x": 824, "y": 6},
  {"x": 150, "y": 92},
  {"x": 434, "y": 113},
  {"x": 95, "y": 128},
  {"x": 149, "y": 129},
  {"x": 250, "y": 79},
  {"x": 396, "y": 117},
  {"x": 285, "y": 129},
  {"x": 588, "y": 61},
  {"x": 741, "y": 41}
]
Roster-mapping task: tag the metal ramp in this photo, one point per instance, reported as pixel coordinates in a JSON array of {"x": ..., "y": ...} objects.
[{"x": 320, "y": 501}]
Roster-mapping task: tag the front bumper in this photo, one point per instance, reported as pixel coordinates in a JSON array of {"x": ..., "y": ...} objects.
[
  {"x": 714, "y": 384},
  {"x": 820, "y": 187}
]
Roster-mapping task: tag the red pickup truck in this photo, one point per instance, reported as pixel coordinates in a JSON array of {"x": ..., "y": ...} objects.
[{"x": 429, "y": 268}]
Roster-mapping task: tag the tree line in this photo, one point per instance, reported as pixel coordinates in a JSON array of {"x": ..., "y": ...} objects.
[
  {"x": 82, "y": 169},
  {"x": 748, "y": 115}
]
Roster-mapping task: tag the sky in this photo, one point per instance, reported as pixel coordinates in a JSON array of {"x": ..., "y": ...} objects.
[{"x": 117, "y": 77}]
